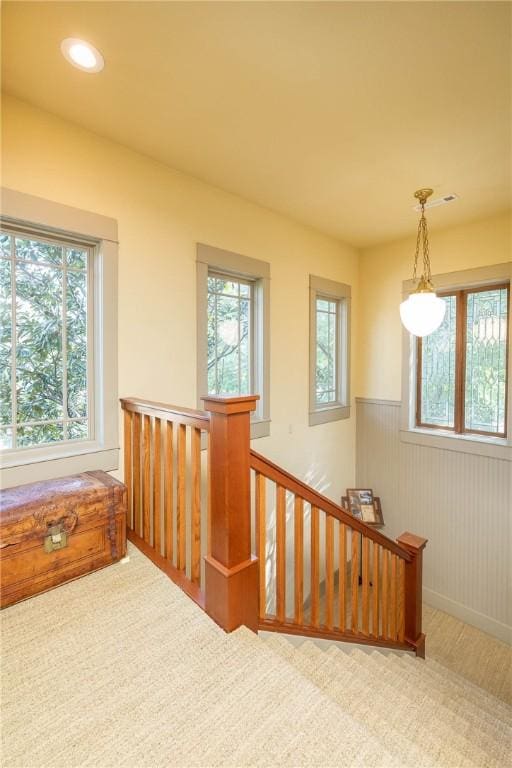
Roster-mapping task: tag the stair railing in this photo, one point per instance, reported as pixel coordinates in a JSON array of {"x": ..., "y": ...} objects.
[
  {"x": 370, "y": 592},
  {"x": 168, "y": 488},
  {"x": 188, "y": 507}
]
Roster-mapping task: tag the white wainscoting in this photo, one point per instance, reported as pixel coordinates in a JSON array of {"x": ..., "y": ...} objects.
[{"x": 461, "y": 502}]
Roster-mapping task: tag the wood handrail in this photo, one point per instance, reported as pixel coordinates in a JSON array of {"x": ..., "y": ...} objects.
[
  {"x": 270, "y": 470},
  {"x": 175, "y": 413}
]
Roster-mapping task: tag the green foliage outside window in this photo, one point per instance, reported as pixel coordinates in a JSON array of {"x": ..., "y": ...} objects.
[
  {"x": 43, "y": 342},
  {"x": 229, "y": 336}
]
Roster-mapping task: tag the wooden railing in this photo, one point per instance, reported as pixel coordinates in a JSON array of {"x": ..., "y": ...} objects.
[
  {"x": 324, "y": 573},
  {"x": 317, "y": 571},
  {"x": 167, "y": 488}
]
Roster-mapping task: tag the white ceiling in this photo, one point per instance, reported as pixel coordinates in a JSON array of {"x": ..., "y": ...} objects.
[{"x": 332, "y": 113}]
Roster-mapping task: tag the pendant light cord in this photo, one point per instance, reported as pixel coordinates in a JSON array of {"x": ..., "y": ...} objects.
[{"x": 422, "y": 236}]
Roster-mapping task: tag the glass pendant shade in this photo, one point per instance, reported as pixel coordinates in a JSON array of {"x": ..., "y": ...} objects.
[{"x": 422, "y": 313}]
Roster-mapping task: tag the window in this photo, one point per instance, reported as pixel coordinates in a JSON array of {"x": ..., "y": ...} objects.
[
  {"x": 233, "y": 329},
  {"x": 329, "y": 350},
  {"x": 45, "y": 348},
  {"x": 58, "y": 342},
  {"x": 456, "y": 383},
  {"x": 462, "y": 367}
]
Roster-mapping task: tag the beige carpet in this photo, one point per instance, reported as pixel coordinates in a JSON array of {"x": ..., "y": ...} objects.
[
  {"x": 475, "y": 655},
  {"x": 121, "y": 669}
]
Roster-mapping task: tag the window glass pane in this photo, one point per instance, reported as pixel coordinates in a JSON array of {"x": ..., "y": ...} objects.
[
  {"x": 39, "y": 365},
  {"x": 5, "y": 342},
  {"x": 486, "y": 360},
  {"x": 39, "y": 434},
  {"x": 76, "y": 344},
  {"x": 229, "y": 331},
  {"x": 326, "y": 351},
  {"x": 5, "y": 438},
  {"x": 34, "y": 250},
  {"x": 49, "y": 360},
  {"x": 438, "y": 370},
  {"x": 78, "y": 430},
  {"x": 76, "y": 258},
  {"x": 5, "y": 245}
]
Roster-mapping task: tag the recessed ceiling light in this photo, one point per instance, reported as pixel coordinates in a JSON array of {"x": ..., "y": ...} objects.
[{"x": 82, "y": 55}]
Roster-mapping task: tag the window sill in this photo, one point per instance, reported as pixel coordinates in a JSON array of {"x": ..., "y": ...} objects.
[
  {"x": 492, "y": 447},
  {"x": 325, "y": 415},
  {"x": 18, "y": 469},
  {"x": 260, "y": 428}
]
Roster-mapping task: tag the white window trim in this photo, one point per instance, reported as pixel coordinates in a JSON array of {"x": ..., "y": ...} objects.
[
  {"x": 321, "y": 287},
  {"x": 227, "y": 262},
  {"x": 102, "y": 451},
  {"x": 495, "y": 447}
]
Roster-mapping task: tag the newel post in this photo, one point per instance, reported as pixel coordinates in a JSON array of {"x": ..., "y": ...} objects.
[
  {"x": 231, "y": 572},
  {"x": 413, "y": 590}
]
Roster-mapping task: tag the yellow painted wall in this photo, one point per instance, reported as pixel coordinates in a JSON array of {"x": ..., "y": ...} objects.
[
  {"x": 382, "y": 270},
  {"x": 162, "y": 214}
]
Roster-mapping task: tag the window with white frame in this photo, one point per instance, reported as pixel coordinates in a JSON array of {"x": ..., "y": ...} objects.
[
  {"x": 58, "y": 341},
  {"x": 457, "y": 381},
  {"x": 46, "y": 342},
  {"x": 329, "y": 350},
  {"x": 233, "y": 329}
]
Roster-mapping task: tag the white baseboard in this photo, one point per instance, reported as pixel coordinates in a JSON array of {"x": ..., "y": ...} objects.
[{"x": 479, "y": 620}]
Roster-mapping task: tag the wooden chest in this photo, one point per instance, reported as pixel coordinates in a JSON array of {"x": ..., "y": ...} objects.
[{"x": 56, "y": 530}]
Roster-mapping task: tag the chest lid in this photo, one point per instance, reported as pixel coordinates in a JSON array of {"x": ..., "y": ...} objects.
[{"x": 28, "y": 511}]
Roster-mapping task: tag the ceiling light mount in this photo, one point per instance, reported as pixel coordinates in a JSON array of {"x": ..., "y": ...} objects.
[{"x": 82, "y": 55}]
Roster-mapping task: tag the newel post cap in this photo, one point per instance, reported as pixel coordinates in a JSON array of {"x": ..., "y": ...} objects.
[
  {"x": 412, "y": 542},
  {"x": 228, "y": 404}
]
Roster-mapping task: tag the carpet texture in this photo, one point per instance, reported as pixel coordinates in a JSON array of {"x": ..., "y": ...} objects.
[{"x": 120, "y": 668}]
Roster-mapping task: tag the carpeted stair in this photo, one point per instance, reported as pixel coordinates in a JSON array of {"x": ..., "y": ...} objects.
[
  {"x": 120, "y": 668},
  {"x": 423, "y": 714}
]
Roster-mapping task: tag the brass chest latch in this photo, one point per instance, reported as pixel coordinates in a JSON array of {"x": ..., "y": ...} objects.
[{"x": 56, "y": 538}]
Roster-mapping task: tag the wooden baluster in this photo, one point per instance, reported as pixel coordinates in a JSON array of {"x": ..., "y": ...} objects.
[
  {"x": 128, "y": 464},
  {"x": 393, "y": 601},
  {"x": 146, "y": 477},
  {"x": 375, "y": 588},
  {"x": 261, "y": 541},
  {"x": 366, "y": 585},
  {"x": 280, "y": 553},
  {"x": 342, "y": 573},
  {"x": 298, "y": 569},
  {"x": 401, "y": 598},
  {"x": 169, "y": 491},
  {"x": 385, "y": 593},
  {"x": 329, "y": 571},
  {"x": 137, "y": 509},
  {"x": 356, "y": 536},
  {"x": 157, "y": 486},
  {"x": 195, "y": 572},
  {"x": 315, "y": 566},
  {"x": 181, "y": 519}
]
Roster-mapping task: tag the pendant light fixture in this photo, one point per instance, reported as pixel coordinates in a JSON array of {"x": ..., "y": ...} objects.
[{"x": 422, "y": 312}]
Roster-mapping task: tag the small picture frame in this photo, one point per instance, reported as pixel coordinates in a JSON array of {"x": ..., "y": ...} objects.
[{"x": 363, "y": 505}]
